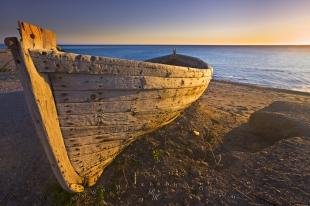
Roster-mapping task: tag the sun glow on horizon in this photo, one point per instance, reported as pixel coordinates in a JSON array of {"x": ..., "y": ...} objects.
[{"x": 291, "y": 31}]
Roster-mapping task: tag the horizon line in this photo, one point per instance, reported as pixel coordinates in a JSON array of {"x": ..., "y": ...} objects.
[{"x": 138, "y": 44}]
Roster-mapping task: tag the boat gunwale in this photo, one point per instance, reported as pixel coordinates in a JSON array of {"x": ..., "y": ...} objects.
[{"x": 111, "y": 61}]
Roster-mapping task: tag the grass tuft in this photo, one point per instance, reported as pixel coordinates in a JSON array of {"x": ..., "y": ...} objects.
[{"x": 58, "y": 196}]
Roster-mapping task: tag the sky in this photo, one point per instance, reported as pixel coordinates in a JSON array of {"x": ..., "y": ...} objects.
[{"x": 203, "y": 22}]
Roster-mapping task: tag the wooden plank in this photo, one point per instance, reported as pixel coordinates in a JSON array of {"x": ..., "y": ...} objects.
[
  {"x": 76, "y": 143},
  {"x": 152, "y": 105},
  {"x": 34, "y": 37},
  {"x": 41, "y": 105},
  {"x": 91, "y": 165},
  {"x": 84, "y": 149},
  {"x": 85, "y": 167},
  {"x": 75, "y": 132},
  {"x": 91, "y": 179},
  {"x": 134, "y": 135},
  {"x": 121, "y": 118},
  {"x": 77, "y": 96},
  {"x": 95, "y": 157},
  {"x": 84, "y": 132},
  {"x": 98, "y": 138},
  {"x": 63, "y": 82},
  {"x": 91, "y": 173},
  {"x": 85, "y": 163},
  {"x": 61, "y": 62}
]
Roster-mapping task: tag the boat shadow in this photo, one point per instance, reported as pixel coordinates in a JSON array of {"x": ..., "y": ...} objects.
[
  {"x": 244, "y": 139},
  {"x": 265, "y": 127},
  {"x": 24, "y": 166}
]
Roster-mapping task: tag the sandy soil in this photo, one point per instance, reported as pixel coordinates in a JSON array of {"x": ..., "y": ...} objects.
[{"x": 208, "y": 155}]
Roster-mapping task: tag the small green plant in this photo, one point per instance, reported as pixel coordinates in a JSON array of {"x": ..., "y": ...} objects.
[
  {"x": 101, "y": 195},
  {"x": 156, "y": 154},
  {"x": 59, "y": 196}
]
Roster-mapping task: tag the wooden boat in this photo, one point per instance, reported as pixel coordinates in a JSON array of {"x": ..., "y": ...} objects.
[{"x": 87, "y": 109}]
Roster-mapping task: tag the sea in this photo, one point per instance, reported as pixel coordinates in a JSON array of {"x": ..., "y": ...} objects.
[{"x": 284, "y": 67}]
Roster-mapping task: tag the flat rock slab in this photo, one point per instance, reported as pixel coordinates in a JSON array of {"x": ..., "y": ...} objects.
[{"x": 281, "y": 120}]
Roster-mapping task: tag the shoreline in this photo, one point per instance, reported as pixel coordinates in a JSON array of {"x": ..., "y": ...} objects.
[{"x": 255, "y": 86}]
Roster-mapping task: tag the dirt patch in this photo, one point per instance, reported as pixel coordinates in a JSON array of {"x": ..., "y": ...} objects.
[{"x": 277, "y": 175}]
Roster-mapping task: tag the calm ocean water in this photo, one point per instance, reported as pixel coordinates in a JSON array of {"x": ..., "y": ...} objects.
[{"x": 285, "y": 67}]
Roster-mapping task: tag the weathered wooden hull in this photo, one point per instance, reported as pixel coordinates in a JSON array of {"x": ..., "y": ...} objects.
[{"x": 87, "y": 109}]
